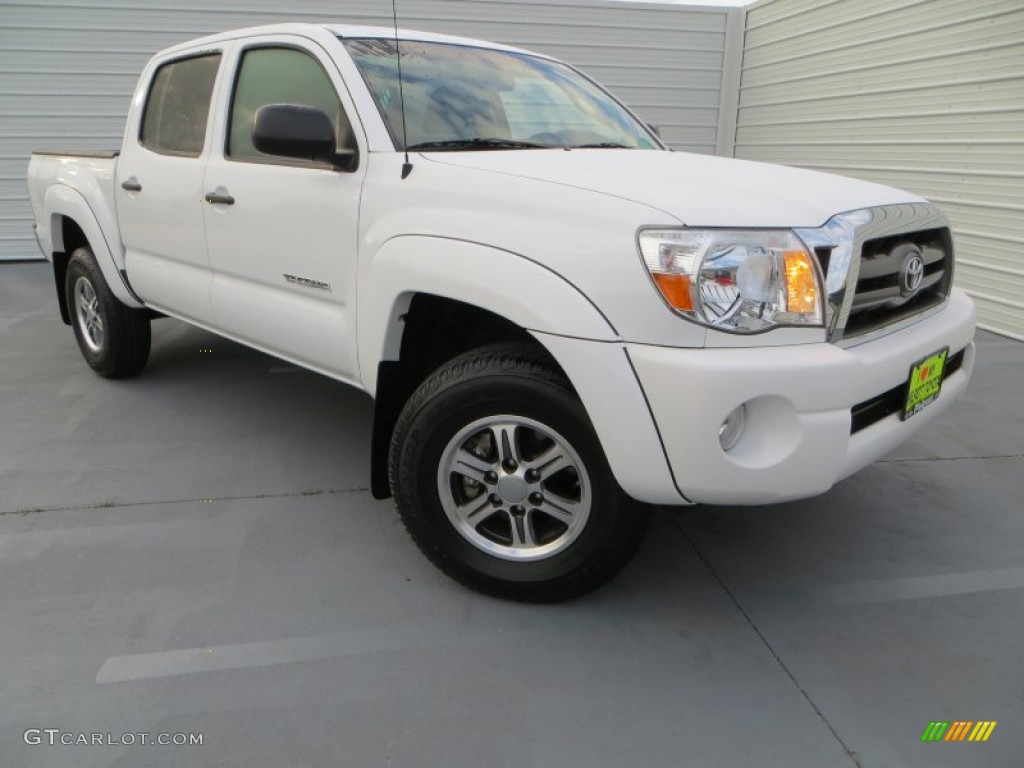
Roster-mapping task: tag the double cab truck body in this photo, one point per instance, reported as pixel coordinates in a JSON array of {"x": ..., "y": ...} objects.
[{"x": 557, "y": 316}]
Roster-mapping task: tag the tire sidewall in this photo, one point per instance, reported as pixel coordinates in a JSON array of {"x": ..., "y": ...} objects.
[{"x": 83, "y": 264}]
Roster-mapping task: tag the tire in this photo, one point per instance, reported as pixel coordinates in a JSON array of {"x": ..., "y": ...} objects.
[
  {"x": 549, "y": 525},
  {"x": 114, "y": 339}
]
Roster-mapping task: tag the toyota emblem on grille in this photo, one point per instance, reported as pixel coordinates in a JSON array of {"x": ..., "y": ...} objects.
[{"x": 911, "y": 273}]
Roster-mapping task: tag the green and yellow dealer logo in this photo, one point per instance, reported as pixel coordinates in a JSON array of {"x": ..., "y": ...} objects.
[{"x": 958, "y": 730}]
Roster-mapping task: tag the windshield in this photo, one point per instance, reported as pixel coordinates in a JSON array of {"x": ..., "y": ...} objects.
[{"x": 458, "y": 97}]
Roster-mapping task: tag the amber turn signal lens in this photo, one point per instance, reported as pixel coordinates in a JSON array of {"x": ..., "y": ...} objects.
[
  {"x": 675, "y": 288},
  {"x": 801, "y": 284}
]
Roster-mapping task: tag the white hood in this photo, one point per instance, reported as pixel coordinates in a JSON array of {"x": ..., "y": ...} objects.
[{"x": 699, "y": 190}]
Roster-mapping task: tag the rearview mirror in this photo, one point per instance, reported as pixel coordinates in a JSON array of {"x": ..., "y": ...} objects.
[{"x": 301, "y": 132}]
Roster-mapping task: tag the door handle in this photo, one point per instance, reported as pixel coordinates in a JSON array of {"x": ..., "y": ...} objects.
[
  {"x": 132, "y": 185},
  {"x": 213, "y": 197}
]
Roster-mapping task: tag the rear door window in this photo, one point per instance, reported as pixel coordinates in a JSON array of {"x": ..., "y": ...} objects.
[{"x": 178, "y": 106}]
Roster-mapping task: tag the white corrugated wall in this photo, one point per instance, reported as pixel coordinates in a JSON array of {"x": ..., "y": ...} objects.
[
  {"x": 926, "y": 95},
  {"x": 68, "y": 67}
]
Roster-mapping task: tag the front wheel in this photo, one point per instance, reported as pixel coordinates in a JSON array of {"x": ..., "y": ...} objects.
[
  {"x": 502, "y": 483},
  {"x": 114, "y": 338}
]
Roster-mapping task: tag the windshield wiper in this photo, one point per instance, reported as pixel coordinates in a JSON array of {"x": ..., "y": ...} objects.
[
  {"x": 455, "y": 144},
  {"x": 600, "y": 145}
]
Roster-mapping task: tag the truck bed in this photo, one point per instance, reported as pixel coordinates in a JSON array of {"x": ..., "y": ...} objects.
[{"x": 78, "y": 176}]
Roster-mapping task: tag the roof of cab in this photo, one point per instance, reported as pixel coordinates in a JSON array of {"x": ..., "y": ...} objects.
[{"x": 338, "y": 30}]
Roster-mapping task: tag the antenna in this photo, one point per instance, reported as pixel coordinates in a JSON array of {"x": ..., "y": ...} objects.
[{"x": 406, "y": 166}]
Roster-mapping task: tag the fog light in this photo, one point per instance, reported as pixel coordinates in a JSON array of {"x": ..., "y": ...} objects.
[{"x": 731, "y": 429}]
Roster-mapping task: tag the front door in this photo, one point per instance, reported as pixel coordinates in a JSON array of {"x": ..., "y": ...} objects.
[{"x": 281, "y": 232}]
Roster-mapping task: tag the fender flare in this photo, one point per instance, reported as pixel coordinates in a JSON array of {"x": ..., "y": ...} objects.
[
  {"x": 539, "y": 300},
  {"x": 519, "y": 289},
  {"x": 62, "y": 200}
]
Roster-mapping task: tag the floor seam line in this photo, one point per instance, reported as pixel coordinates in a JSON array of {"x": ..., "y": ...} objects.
[
  {"x": 953, "y": 458},
  {"x": 118, "y": 504},
  {"x": 764, "y": 640}
]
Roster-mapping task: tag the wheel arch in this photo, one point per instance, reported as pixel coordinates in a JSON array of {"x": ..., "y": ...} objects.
[
  {"x": 433, "y": 330},
  {"x": 424, "y": 300},
  {"x": 67, "y": 237},
  {"x": 410, "y": 305},
  {"x": 508, "y": 285},
  {"x": 72, "y": 224}
]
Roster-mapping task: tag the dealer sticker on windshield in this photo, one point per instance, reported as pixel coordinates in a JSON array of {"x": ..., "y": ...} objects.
[{"x": 925, "y": 382}]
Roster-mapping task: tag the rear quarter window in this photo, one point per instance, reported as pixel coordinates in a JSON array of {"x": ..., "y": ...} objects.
[{"x": 178, "y": 106}]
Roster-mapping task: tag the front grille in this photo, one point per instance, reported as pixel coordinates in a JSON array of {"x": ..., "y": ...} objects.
[
  {"x": 872, "y": 411},
  {"x": 884, "y": 268},
  {"x": 882, "y": 295}
]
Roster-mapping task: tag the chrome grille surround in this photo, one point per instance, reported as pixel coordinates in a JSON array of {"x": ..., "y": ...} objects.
[{"x": 866, "y": 256}]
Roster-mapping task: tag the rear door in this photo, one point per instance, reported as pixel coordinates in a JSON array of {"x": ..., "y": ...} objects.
[
  {"x": 159, "y": 185},
  {"x": 282, "y": 233}
]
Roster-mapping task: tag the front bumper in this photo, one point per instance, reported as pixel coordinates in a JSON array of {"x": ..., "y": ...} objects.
[{"x": 797, "y": 441}]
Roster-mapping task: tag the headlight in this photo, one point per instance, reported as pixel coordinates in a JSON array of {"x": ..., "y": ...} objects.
[{"x": 742, "y": 281}]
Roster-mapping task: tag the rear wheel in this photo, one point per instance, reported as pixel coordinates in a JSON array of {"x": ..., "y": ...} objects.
[
  {"x": 114, "y": 339},
  {"x": 502, "y": 483}
]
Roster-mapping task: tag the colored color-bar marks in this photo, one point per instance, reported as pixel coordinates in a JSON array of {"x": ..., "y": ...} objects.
[
  {"x": 958, "y": 730},
  {"x": 982, "y": 730}
]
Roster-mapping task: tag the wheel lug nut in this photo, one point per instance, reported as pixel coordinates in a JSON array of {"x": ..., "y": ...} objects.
[
  {"x": 517, "y": 510},
  {"x": 536, "y": 498},
  {"x": 491, "y": 477},
  {"x": 495, "y": 500},
  {"x": 532, "y": 475},
  {"x": 510, "y": 466}
]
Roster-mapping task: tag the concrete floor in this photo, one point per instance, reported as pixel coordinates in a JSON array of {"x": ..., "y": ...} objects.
[{"x": 195, "y": 551}]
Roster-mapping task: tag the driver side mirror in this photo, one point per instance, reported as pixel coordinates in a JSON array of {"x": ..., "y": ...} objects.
[{"x": 300, "y": 132}]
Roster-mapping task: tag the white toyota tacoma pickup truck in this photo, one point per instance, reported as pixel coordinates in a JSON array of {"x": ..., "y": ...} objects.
[{"x": 557, "y": 316}]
